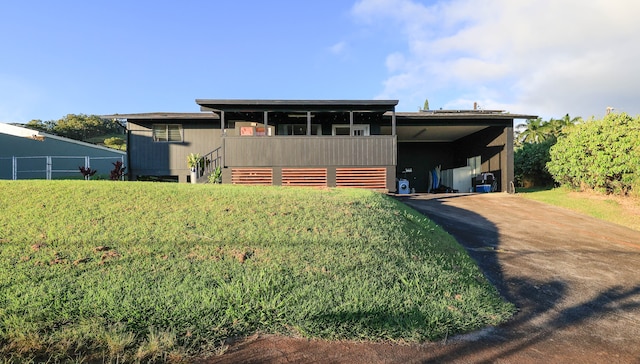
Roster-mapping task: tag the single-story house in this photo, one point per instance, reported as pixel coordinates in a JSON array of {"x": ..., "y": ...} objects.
[
  {"x": 334, "y": 143},
  {"x": 30, "y": 154}
]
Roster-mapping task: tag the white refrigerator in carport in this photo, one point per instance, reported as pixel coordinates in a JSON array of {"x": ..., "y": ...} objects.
[{"x": 458, "y": 178}]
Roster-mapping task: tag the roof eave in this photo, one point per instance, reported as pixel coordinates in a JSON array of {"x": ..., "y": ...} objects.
[
  {"x": 463, "y": 114},
  {"x": 163, "y": 116},
  {"x": 295, "y": 105}
]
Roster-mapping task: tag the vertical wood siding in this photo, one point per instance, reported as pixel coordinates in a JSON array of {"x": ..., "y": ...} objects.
[
  {"x": 291, "y": 151},
  {"x": 161, "y": 158}
]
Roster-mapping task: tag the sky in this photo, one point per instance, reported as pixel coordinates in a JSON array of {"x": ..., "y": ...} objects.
[{"x": 536, "y": 57}]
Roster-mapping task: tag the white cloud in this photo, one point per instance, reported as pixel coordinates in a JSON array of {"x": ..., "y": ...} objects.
[
  {"x": 339, "y": 48},
  {"x": 534, "y": 56}
]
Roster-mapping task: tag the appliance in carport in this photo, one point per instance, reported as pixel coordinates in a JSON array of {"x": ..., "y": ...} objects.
[
  {"x": 403, "y": 183},
  {"x": 458, "y": 179},
  {"x": 486, "y": 182},
  {"x": 403, "y": 186}
]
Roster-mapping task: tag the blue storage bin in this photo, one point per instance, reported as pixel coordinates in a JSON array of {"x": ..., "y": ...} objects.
[{"x": 483, "y": 188}]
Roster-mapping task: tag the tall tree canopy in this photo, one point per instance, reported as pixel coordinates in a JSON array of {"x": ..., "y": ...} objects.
[
  {"x": 538, "y": 130},
  {"x": 77, "y": 126},
  {"x": 600, "y": 154}
]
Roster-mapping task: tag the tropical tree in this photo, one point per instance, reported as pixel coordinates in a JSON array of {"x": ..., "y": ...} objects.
[
  {"x": 77, "y": 126},
  {"x": 45, "y": 126},
  {"x": 601, "y": 154},
  {"x": 534, "y": 140},
  {"x": 557, "y": 127},
  {"x": 532, "y": 131},
  {"x": 530, "y": 164},
  {"x": 81, "y": 126}
]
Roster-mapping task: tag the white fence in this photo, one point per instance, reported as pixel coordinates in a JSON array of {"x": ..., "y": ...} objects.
[{"x": 51, "y": 167}]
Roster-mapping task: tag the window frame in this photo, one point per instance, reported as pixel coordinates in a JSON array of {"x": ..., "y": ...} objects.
[
  {"x": 289, "y": 129},
  {"x": 364, "y": 128},
  {"x": 168, "y": 133}
]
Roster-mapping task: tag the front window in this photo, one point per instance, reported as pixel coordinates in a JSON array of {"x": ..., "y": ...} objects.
[
  {"x": 299, "y": 129},
  {"x": 167, "y": 133},
  {"x": 358, "y": 129}
]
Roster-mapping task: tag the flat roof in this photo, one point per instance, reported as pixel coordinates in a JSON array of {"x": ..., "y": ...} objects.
[
  {"x": 296, "y": 105},
  {"x": 463, "y": 114},
  {"x": 385, "y": 106},
  {"x": 163, "y": 115}
]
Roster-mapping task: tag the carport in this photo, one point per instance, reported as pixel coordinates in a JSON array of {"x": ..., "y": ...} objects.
[{"x": 479, "y": 141}]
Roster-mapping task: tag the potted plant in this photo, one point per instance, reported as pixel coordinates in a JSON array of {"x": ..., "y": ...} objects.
[
  {"x": 216, "y": 176},
  {"x": 193, "y": 162}
]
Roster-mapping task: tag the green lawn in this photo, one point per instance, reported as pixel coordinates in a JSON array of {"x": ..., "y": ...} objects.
[
  {"x": 618, "y": 210},
  {"x": 126, "y": 271}
]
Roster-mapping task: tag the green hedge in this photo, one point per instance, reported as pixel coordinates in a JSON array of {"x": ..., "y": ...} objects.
[
  {"x": 530, "y": 164},
  {"x": 602, "y": 155}
]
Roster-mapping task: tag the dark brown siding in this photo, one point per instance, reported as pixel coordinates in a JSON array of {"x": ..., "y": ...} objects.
[
  {"x": 169, "y": 159},
  {"x": 316, "y": 151}
]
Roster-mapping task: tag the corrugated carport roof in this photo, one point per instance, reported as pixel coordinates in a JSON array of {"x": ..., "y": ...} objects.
[{"x": 296, "y": 105}]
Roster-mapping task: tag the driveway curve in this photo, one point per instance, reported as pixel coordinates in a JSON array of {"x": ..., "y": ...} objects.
[{"x": 574, "y": 279}]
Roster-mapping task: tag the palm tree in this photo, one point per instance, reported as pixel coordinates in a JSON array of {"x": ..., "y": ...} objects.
[
  {"x": 533, "y": 131},
  {"x": 537, "y": 130},
  {"x": 556, "y": 127}
]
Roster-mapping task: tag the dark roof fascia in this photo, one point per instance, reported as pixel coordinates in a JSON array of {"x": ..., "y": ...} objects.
[
  {"x": 237, "y": 105},
  {"x": 461, "y": 114},
  {"x": 458, "y": 118},
  {"x": 164, "y": 116}
]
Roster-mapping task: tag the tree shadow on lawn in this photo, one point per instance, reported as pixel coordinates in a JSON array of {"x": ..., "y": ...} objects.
[{"x": 541, "y": 312}]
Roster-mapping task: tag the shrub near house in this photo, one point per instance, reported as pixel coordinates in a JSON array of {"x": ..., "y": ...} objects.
[
  {"x": 530, "y": 164},
  {"x": 602, "y": 155}
]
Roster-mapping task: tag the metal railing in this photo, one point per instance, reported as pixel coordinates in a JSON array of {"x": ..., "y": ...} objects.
[{"x": 210, "y": 162}]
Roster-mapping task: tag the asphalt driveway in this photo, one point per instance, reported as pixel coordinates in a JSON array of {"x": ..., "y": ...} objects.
[{"x": 574, "y": 279}]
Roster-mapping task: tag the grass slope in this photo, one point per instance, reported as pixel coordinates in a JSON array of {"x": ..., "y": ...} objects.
[
  {"x": 619, "y": 210},
  {"x": 143, "y": 271}
]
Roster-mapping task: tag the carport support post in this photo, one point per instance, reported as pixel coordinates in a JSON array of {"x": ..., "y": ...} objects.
[
  {"x": 351, "y": 123},
  {"x": 509, "y": 176},
  {"x": 265, "y": 121},
  {"x": 308, "y": 122},
  {"x": 393, "y": 122}
]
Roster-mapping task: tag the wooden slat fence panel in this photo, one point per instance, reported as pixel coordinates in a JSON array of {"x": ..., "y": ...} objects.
[
  {"x": 304, "y": 177},
  {"x": 373, "y": 178},
  {"x": 252, "y": 176}
]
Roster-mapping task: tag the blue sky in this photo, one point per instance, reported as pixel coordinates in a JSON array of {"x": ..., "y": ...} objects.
[{"x": 543, "y": 57}]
